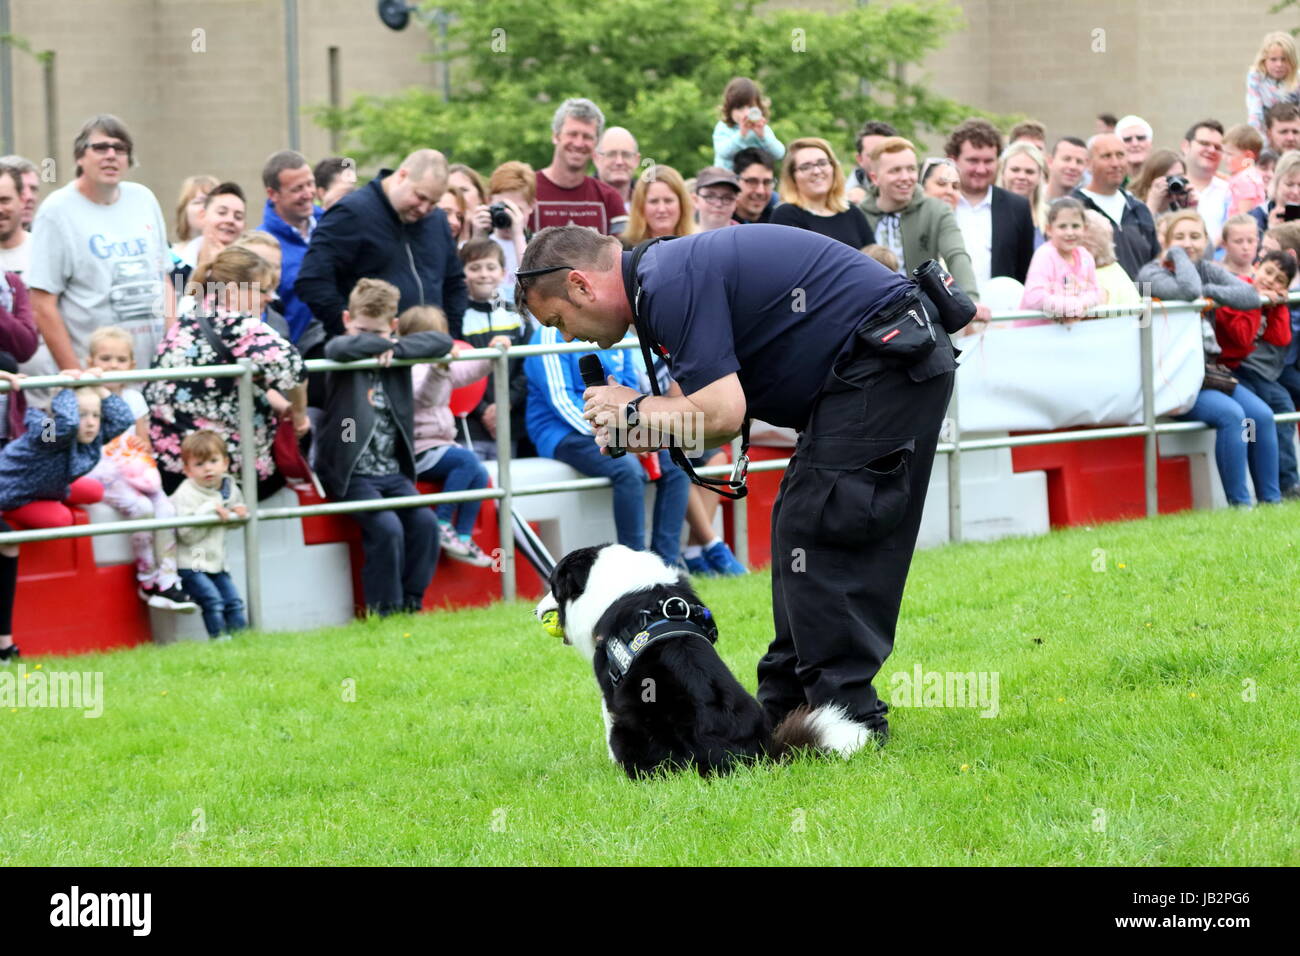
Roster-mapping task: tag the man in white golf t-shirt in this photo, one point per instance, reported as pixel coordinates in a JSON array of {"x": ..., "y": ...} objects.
[
  {"x": 99, "y": 255},
  {"x": 1135, "y": 230}
]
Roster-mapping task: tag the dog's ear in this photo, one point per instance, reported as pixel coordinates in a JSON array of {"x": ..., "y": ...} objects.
[{"x": 569, "y": 579}]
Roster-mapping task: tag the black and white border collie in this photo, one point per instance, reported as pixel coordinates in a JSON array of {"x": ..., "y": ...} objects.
[{"x": 677, "y": 705}]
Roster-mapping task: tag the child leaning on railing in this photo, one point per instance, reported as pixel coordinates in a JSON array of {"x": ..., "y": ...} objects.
[{"x": 43, "y": 472}]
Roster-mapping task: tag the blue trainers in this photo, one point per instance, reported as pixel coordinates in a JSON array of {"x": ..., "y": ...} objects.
[
  {"x": 699, "y": 566},
  {"x": 722, "y": 561}
]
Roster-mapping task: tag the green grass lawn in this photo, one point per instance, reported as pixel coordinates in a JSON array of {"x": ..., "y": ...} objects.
[{"x": 1148, "y": 715}]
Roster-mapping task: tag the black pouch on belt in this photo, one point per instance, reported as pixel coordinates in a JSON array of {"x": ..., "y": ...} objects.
[
  {"x": 902, "y": 331},
  {"x": 953, "y": 306}
]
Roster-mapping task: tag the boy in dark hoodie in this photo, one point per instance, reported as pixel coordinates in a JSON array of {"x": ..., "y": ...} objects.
[{"x": 366, "y": 450}]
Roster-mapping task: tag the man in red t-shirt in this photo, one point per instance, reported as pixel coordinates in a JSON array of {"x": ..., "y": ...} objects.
[{"x": 565, "y": 193}]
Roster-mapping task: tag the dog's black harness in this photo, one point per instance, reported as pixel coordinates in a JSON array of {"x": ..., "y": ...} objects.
[{"x": 671, "y": 617}]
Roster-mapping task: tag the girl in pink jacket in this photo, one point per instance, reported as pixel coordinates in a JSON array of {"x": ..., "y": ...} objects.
[
  {"x": 438, "y": 458},
  {"x": 1062, "y": 279}
]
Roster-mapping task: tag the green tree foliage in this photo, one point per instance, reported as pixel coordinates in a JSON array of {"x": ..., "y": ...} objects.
[{"x": 657, "y": 67}]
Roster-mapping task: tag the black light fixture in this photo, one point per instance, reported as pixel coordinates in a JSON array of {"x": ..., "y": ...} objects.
[{"x": 396, "y": 14}]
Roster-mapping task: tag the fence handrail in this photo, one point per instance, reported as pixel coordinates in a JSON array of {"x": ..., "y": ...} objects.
[{"x": 505, "y": 492}]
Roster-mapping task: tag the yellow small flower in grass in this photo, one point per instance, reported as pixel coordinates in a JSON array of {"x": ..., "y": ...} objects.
[
  {"x": 1060, "y": 700},
  {"x": 38, "y": 666},
  {"x": 13, "y": 710},
  {"x": 965, "y": 767},
  {"x": 164, "y": 693},
  {"x": 1123, "y": 565},
  {"x": 406, "y": 635},
  {"x": 27, "y": 675},
  {"x": 1192, "y": 694}
]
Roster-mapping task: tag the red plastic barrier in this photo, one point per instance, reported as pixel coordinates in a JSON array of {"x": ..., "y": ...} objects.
[
  {"x": 1090, "y": 482},
  {"x": 66, "y": 604}
]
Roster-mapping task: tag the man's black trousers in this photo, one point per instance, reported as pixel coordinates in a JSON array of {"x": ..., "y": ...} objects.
[{"x": 844, "y": 527}]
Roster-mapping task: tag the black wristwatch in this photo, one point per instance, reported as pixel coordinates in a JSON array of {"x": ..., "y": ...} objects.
[{"x": 632, "y": 417}]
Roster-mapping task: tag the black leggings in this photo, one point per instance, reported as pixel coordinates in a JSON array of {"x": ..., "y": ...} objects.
[{"x": 8, "y": 586}]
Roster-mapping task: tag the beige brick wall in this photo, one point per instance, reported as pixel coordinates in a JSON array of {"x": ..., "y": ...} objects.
[{"x": 224, "y": 110}]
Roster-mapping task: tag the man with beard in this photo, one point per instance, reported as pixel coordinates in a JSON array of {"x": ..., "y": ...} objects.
[{"x": 15, "y": 241}]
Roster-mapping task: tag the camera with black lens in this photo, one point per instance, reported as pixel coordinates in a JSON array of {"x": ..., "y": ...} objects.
[
  {"x": 501, "y": 218},
  {"x": 1177, "y": 192}
]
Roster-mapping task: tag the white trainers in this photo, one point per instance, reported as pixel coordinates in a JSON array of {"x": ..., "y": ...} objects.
[{"x": 458, "y": 549}]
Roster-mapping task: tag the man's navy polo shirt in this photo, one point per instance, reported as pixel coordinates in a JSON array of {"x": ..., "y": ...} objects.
[{"x": 772, "y": 303}]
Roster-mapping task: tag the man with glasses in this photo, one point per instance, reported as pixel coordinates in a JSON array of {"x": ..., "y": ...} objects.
[
  {"x": 1137, "y": 136},
  {"x": 99, "y": 255},
  {"x": 617, "y": 160},
  {"x": 1130, "y": 219},
  {"x": 716, "y": 190},
  {"x": 1202, "y": 153},
  {"x": 757, "y": 178}
]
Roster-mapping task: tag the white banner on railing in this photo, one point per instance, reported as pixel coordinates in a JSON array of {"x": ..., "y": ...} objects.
[{"x": 1088, "y": 373}]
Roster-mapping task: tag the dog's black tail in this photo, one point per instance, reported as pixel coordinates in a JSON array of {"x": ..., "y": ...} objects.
[{"x": 828, "y": 729}]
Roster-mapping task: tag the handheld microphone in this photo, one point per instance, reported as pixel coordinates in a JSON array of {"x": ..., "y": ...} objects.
[{"x": 593, "y": 376}]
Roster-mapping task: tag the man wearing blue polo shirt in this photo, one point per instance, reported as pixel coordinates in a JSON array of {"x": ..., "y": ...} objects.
[{"x": 783, "y": 325}]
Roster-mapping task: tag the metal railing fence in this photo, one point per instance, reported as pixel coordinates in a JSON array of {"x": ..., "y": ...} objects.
[{"x": 951, "y": 445}]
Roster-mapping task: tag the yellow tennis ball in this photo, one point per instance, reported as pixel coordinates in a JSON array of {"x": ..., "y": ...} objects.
[{"x": 551, "y": 624}]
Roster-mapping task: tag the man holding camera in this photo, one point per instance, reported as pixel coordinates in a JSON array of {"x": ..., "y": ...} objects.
[
  {"x": 1130, "y": 219},
  {"x": 801, "y": 331}
]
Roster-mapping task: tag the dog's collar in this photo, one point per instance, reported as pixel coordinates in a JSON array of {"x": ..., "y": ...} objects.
[{"x": 671, "y": 617}]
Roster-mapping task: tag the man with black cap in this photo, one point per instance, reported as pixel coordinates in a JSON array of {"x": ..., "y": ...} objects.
[
  {"x": 787, "y": 326},
  {"x": 715, "y": 195}
]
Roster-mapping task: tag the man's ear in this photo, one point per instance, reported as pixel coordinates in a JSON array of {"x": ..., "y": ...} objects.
[
  {"x": 871, "y": 173},
  {"x": 580, "y": 285},
  {"x": 347, "y": 316}
]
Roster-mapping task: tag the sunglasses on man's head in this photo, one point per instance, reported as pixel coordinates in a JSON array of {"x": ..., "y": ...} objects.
[{"x": 524, "y": 276}]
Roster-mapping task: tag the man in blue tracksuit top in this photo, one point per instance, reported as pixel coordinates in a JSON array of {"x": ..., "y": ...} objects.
[
  {"x": 556, "y": 426},
  {"x": 390, "y": 229},
  {"x": 291, "y": 216},
  {"x": 790, "y": 327}
]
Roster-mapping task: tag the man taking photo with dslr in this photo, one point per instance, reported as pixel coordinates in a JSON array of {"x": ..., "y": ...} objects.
[{"x": 795, "y": 329}]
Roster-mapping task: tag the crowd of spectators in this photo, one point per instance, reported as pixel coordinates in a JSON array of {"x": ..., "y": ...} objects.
[{"x": 419, "y": 261}]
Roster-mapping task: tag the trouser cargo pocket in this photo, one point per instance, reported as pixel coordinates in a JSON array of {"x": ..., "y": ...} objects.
[{"x": 858, "y": 488}]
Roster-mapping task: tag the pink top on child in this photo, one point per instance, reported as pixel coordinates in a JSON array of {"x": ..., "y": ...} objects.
[
  {"x": 1059, "y": 286},
  {"x": 1247, "y": 190}
]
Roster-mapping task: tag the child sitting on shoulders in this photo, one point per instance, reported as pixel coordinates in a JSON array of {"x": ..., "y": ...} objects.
[
  {"x": 438, "y": 458},
  {"x": 366, "y": 447},
  {"x": 44, "y": 470},
  {"x": 1242, "y": 145},
  {"x": 1271, "y": 78},
  {"x": 1062, "y": 279},
  {"x": 744, "y": 124},
  {"x": 132, "y": 484},
  {"x": 208, "y": 489}
]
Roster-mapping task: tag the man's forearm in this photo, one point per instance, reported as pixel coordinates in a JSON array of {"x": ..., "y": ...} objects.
[{"x": 53, "y": 332}]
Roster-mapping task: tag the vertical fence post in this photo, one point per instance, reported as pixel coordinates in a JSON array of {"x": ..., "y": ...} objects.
[
  {"x": 505, "y": 504},
  {"x": 739, "y": 515},
  {"x": 953, "y": 431},
  {"x": 1149, "y": 464},
  {"x": 248, "y": 481}
]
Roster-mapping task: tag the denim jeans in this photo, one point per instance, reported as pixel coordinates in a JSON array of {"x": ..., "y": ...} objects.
[
  {"x": 1232, "y": 451},
  {"x": 1276, "y": 396},
  {"x": 458, "y": 470},
  {"x": 629, "y": 479},
  {"x": 223, "y": 611},
  {"x": 401, "y": 547}
]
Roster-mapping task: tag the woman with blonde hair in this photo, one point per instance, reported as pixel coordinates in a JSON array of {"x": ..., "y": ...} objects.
[
  {"x": 813, "y": 190},
  {"x": 189, "y": 207},
  {"x": 226, "y": 326},
  {"x": 1022, "y": 170},
  {"x": 660, "y": 206},
  {"x": 1271, "y": 78}
]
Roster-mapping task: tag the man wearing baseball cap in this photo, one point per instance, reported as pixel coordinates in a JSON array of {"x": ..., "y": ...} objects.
[{"x": 715, "y": 195}]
